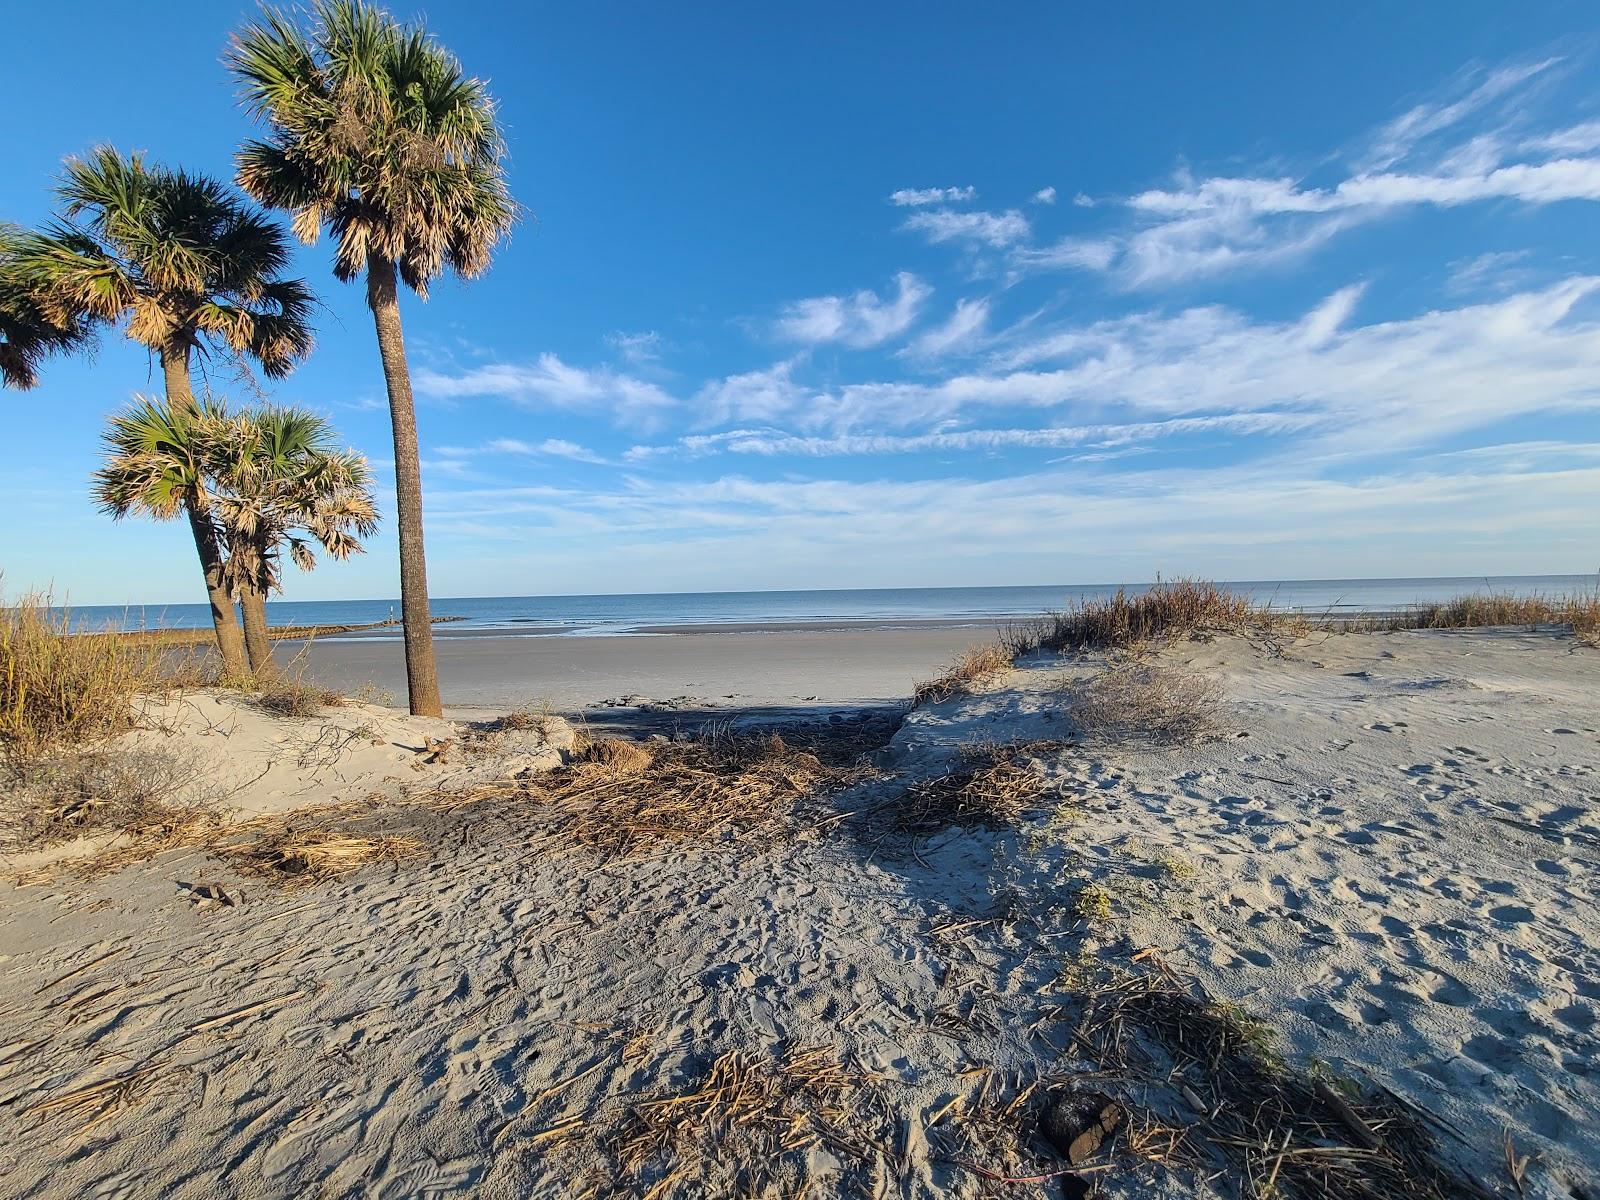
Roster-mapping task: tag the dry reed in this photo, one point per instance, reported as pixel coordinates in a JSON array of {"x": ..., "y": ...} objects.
[
  {"x": 1181, "y": 608},
  {"x": 1288, "y": 1134},
  {"x": 59, "y": 689},
  {"x": 973, "y": 666},
  {"x": 744, "y": 1129}
]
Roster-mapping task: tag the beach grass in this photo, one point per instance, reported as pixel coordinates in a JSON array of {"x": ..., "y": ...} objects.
[{"x": 59, "y": 691}]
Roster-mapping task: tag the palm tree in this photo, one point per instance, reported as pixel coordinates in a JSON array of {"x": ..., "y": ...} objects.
[
  {"x": 185, "y": 265},
  {"x": 27, "y": 333},
  {"x": 280, "y": 480},
  {"x": 157, "y": 457},
  {"x": 374, "y": 131}
]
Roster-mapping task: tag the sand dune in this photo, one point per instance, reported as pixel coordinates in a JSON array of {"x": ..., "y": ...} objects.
[{"x": 1385, "y": 851}]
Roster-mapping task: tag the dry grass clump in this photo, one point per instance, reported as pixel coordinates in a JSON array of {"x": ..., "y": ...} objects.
[
  {"x": 59, "y": 689},
  {"x": 1287, "y": 1133},
  {"x": 1152, "y": 700},
  {"x": 970, "y": 668},
  {"x": 992, "y": 789},
  {"x": 744, "y": 1129},
  {"x": 153, "y": 798},
  {"x": 303, "y": 857},
  {"x": 288, "y": 696},
  {"x": 1582, "y": 613},
  {"x": 617, "y": 754},
  {"x": 690, "y": 790},
  {"x": 1180, "y": 609}
]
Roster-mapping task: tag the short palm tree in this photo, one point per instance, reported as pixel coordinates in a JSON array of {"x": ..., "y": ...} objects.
[
  {"x": 156, "y": 465},
  {"x": 185, "y": 265},
  {"x": 280, "y": 481},
  {"x": 28, "y": 334},
  {"x": 374, "y": 131}
]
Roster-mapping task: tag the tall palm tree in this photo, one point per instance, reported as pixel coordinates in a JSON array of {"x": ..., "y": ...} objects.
[
  {"x": 374, "y": 131},
  {"x": 186, "y": 266},
  {"x": 279, "y": 480},
  {"x": 27, "y": 333}
]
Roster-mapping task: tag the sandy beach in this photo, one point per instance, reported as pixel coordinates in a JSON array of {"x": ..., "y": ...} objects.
[
  {"x": 1381, "y": 851},
  {"x": 708, "y": 668}
]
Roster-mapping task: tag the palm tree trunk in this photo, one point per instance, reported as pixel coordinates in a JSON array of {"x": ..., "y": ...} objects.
[
  {"x": 230, "y": 642},
  {"x": 254, "y": 607},
  {"x": 422, "y": 672}
]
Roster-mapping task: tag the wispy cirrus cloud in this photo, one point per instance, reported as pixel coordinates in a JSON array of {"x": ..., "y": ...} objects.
[
  {"x": 860, "y": 320},
  {"x": 978, "y": 228},
  {"x": 1209, "y": 225},
  {"x": 918, "y": 197},
  {"x": 961, "y": 332},
  {"x": 550, "y": 382}
]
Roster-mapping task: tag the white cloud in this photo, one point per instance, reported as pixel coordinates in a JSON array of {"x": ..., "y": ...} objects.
[
  {"x": 917, "y": 197},
  {"x": 861, "y": 320},
  {"x": 1395, "y": 140},
  {"x": 550, "y": 382},
  {"x": 1045, "y": 195},
  {"x": 1214, "y": 224},
  {"x": 1577, "y": 139},
  {"x": 638, "y": 348},
  {"x": 961, "y": 332},
  {"x": 1494, "y": 271},
  {"x": 1088, "y": 254},
  {"x": 997, "y": 230},
  {"x": 773, "y": 442},
  {"x": 763, "y": 395},
  {"x": 550, "y": 447}
]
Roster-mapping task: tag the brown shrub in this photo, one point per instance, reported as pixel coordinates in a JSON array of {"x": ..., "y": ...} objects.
[
  {"x": 1582, "y": 613},
  {"x": 294, "y": 697},
  {"x": 1152, "y": 700}
]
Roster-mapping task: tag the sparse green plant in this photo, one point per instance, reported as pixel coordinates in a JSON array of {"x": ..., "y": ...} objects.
[
  {"x": 1093, "y": 903},
  {"x": 1173, "y": 865}
]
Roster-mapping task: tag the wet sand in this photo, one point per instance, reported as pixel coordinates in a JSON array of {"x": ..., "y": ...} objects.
[{"x": 807, "y": 666}]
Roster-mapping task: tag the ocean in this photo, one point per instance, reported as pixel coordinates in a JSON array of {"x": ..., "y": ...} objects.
[{"x": 580, "y": 616}]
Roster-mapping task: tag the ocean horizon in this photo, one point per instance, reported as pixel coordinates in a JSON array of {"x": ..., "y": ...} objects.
[{"x": 625, "y": 613}]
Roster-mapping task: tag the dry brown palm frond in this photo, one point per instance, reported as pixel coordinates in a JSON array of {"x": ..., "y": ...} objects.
[{"x": 311, "y": 856}]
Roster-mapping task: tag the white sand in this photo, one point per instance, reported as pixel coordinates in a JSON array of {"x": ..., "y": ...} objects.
[{"x": 1395, "y": 869}]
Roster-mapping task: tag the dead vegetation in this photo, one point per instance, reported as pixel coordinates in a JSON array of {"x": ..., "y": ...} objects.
[
  {"x": 745, "y": 1128},
  {"x": 972, "y": 667},
  {"x": 298, "y": 858},
  {"x": 618, "y": 799},
  {"x": 59, "y": 690},
  {"x": 1156, "y": 701},
  {"x": 1284, "y": 1131},
  {"x": 991, "y": 787},
  {"x": 131, "y": 793},
  {"x": 1581, "y": 613},
  {"x": 293, "y": 696},
  {"x": 1182, "y": 608}
]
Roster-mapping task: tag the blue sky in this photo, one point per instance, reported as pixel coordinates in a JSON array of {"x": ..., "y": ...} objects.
[{"x": 891, "y": 295}]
